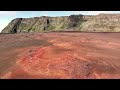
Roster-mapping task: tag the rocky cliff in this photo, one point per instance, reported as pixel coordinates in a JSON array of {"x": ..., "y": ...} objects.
[
  {"x": 87, "y": 23},
  {"x": 103, "y": 23}
]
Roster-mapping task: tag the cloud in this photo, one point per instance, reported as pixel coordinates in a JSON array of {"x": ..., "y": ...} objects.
[
  {"x": 90, "y": 12},
  {"x": 8, "y": 13},
  {"x": 45, "y": 13},
  {"x": 95, "y": 12},
  {"x": 2, "y": 26}
]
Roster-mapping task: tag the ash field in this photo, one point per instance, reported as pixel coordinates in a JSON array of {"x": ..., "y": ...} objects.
[{"x": 60, "y": 55}]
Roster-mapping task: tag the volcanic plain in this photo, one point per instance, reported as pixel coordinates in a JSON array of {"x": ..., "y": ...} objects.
[{"x": 60, "y": 55}]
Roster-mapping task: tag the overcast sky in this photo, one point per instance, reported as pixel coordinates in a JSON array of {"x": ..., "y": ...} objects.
[{"x": 7, "y": 16}]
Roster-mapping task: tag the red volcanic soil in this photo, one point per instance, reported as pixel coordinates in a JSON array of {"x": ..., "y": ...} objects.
[{"x": 60, "y": 56}]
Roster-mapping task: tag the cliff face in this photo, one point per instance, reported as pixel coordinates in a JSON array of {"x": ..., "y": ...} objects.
[
  {"x": 98, "y": 23},
  {"x": 103, "y": 23},
  {"x": 39, "y": 24}
]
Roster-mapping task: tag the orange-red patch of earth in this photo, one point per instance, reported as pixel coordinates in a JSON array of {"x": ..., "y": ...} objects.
[{"x": 60, "y": 56}]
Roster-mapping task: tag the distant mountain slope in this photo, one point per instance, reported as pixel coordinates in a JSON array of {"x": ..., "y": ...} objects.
[
  {"x": 87, "y": 23},
  {"x": 103, "y": 23}
]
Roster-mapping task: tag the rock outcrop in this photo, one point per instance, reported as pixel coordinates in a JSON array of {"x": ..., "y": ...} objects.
[
  {"x": 103, "y": 23},
  {"x": 86, "y": 23}
]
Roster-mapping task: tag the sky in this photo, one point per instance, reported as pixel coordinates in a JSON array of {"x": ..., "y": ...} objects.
[{"x": 7, "y": 16}]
